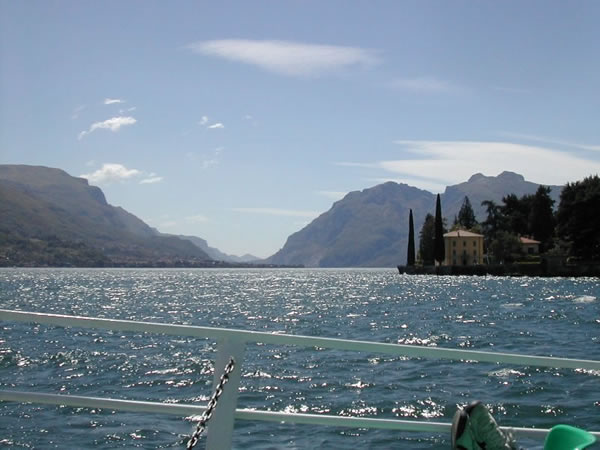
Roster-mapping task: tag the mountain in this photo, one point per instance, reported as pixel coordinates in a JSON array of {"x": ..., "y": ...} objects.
[
  {"x": 366, "y": 228},
  {"x": 480, "y": 188},
  {"x": 217, "y": 254},
  {"x": 58, "y": 218},
  {"x": 369, "y": 228}
]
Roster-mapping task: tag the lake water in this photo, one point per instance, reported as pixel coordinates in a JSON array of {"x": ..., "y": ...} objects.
[{"x": 558, "y": 317}]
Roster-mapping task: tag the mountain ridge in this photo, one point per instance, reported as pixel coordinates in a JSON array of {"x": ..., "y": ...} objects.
[
  {"x": 380, "y": 238},
  {"x": 366, "y": 228},
  {"x": 50, "y": 206}
]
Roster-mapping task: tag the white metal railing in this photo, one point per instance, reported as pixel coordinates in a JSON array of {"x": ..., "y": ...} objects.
[{"x": 232, "y": 343}]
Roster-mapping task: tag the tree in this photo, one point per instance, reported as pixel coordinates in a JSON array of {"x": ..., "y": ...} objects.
[
  {"x": 438, "y": 240},
  {"x": 466, "y": 216},
  {"x": 491, "y": 224},
  {"x": 426, "y": 240},
  {"x": 514, "y": 216},
  {"x": 410, "y": 257},
  {"x": 541, "y": 218},
  {"x": 506, "y": 247},
  {"x": 578, "y": 220}
]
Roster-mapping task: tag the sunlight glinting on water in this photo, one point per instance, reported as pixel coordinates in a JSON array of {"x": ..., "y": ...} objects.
[{"x": 532, "y": 316}]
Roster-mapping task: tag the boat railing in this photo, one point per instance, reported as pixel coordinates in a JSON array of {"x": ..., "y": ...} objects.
[{"x": 232, "y": 343}]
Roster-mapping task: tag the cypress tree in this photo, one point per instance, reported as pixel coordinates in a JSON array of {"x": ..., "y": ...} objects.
[
  {"x": 541, "y": 218},
  {"x": 426, "y": 240},
  {"x": 438, "y": 240},
  {"x": 466, "y": 215},
  {"x": 410, "y": 257}
]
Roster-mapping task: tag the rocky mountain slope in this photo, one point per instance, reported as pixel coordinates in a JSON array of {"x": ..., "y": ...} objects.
[
  {"x": 49, "y": 214},
  {"x": 370, "y": 228}
]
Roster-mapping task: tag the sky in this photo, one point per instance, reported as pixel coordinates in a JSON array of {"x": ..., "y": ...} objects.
[{"x": 240, "y": 122}]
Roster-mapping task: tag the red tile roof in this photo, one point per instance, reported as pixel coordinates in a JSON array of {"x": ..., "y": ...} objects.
[
  {"x": 462, "y": 233},
  {"x": 525, "y": 240}
]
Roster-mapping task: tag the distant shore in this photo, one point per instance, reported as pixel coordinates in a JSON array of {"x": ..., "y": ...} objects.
[
  {"x": 515, "y": 269},
  {"x": 158, "y": 265}
]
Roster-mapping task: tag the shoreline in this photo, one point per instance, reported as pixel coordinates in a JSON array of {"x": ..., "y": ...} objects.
[{"x": 514, "y": 270}]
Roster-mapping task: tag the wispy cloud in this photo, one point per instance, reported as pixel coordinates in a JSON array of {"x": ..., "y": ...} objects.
[
  {"x": 424, "y": 85},
  {"x": 111, "y": 101},
  {"x": 197, "y": 218},
  {"x": 278, "y": 212},
  {"x": 441, "y": 163},
  {"x": 169, "y": 224},
  {"x": 151, "y": 180},
  {"x": 287, "y": 58},
  {"x": 123, "y": 111},
  {"x": 206, "y": 160},
  {"x": 113, "y": 124},
  {"x": 558, "y": 142},
  {"x": 77, "y": 111},
  {"x": 333, "y": 195},
  {"x": 113, "y": 172},
  {"x": 110, "y": 173},
  {"x": 204, "y": 121}
]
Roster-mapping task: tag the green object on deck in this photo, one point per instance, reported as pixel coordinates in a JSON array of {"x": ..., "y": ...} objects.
[{"x": 566, "y": 437}]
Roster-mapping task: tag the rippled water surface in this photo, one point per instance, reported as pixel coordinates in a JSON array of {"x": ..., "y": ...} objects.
[{"x": 558, "y": 317}]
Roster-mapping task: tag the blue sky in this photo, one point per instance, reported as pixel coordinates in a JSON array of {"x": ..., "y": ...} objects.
[{"x": 240, "y": 122}]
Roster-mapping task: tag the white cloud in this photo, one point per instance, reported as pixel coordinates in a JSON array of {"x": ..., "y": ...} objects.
[
  {"x": 111, "y": 101},
  {"x": 198, "y": 218},
  {"x": 151, "y": 180},
  {"x": 456, "y": 161},
  {"x": 204, "y": 122},
  {"x": 333, "y": 195},
  {"x": 423, "y": 85},
  {"x": 111, "y": 172},
  {"x": 439, "y": 163},
  {"x": 113, "y": 124},
  {"x": 559, "y": 142},
  {"x": 287, "y": 58},
  {"x": 278, "y": 212}
]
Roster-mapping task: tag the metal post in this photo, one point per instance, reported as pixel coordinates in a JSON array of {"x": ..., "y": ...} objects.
[{"x": 220, "y": 427}]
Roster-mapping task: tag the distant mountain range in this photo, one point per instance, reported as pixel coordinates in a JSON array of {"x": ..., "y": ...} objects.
[
  {"x": 51, "y": 218},
  {"x": 217, "y": 254},
  {"x": 48, "y": 217},
  {"x": 370, "y": 228}
]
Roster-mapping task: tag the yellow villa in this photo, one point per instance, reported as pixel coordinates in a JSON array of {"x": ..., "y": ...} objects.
[{"x": 463, "y": 248}]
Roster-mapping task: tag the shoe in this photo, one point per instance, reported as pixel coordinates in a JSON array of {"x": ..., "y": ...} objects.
[
  {"x": 474, "y": 428},
  {"x": 486, "y": 431},
  {"x": 462, "y": 435}
]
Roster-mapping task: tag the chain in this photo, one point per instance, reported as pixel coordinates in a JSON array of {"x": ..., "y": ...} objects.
[{"x": 212, "y": 404}]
